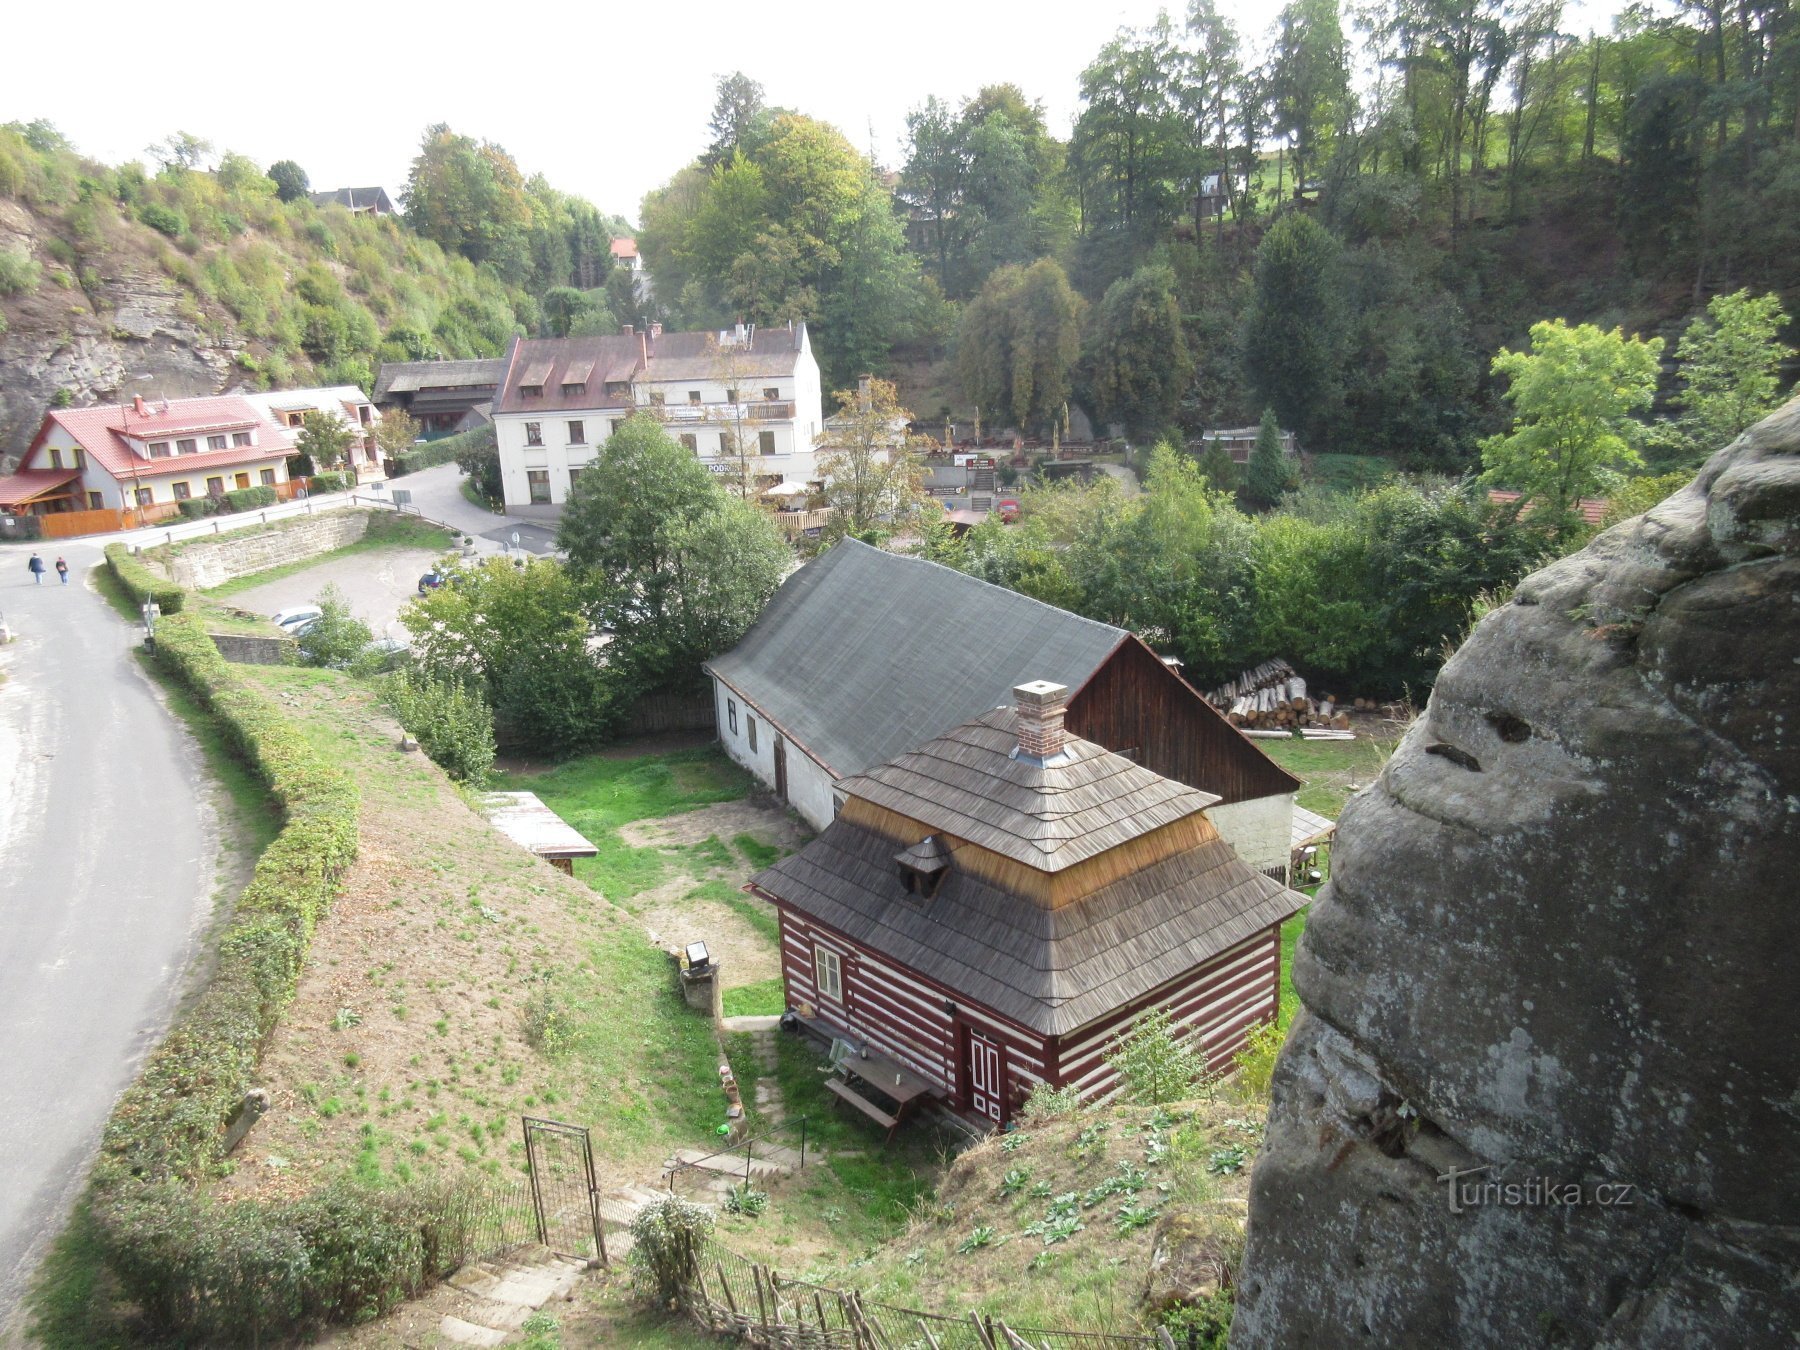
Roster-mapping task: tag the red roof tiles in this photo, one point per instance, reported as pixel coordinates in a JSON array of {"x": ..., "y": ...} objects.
[{"x": 102, "y": 432}]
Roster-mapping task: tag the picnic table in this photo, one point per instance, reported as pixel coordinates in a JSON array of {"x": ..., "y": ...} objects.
[{"x": 873, "y": 1084}]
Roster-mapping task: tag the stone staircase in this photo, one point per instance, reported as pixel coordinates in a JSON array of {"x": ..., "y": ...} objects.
[{"x": 495, "y": 1295}]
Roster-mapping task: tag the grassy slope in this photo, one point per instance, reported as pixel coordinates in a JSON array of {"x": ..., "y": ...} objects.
[{"x": 407, "y": 1048}]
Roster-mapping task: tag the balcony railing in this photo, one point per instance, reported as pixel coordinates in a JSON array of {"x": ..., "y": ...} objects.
[{"x": 758, "y": 411}]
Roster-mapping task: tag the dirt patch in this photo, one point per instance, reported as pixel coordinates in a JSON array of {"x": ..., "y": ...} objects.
[
  {"x": 722, "y": 820},
  {"x": 675, "y": 916}
]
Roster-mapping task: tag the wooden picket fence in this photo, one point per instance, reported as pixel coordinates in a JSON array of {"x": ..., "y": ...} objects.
[{"x": 756, "y": 1304}]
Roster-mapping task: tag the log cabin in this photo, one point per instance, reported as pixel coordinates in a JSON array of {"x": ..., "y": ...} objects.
[
  {"x": 862, "y": 654},
  {"x": 992, "y": 909}
]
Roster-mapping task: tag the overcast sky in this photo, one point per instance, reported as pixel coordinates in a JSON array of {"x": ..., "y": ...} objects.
[{"x": 607, "y": 101}]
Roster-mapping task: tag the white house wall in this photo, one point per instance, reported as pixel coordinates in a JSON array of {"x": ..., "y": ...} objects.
[
  {"x": 809, "y": 785},
  {"x": 1260, "y": 830}
]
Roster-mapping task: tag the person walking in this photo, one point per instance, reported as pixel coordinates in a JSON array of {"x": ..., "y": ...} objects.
[
  {"x": 37, "y": 569},
  {"x": 62, "y": 571}
]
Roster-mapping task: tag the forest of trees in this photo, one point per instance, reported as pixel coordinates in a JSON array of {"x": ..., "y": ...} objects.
[{"x": 1401, "y": 190}]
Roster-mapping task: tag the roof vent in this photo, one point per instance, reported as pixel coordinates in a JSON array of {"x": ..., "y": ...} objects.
[
  {"x": 924, "y": 866},
  {"x": 1039, "y": 719}
]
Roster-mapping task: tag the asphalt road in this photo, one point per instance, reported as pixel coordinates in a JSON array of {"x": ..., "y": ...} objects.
[
  {"x": 376, "y": 586},
  {"x": 437, "y": 495},
  {"x": 108, "y": 846}
]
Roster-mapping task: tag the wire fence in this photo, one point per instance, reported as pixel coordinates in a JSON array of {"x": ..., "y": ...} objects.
[
  {"x": 757, "y": 1304},
  {"x": 495, "y": 1217}
]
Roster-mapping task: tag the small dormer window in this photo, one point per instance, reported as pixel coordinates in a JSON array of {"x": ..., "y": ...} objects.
[
  {"x": 924, "y": 866},
  {"x": 532, "y": 390},
  {"x": 571, "y": 390}
]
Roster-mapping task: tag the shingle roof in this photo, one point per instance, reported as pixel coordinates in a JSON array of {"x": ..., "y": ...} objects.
[
  {"x": 1049, "y": 816},
  {"x": 405, "y": 377},
  {"x": 1592, "y": 509},
  {"x": 863, "y": 654},
  {"x": 1052, "y": 970}
]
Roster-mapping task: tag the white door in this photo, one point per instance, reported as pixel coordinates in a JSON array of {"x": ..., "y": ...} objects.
[{"x": 984, "y": 1076}]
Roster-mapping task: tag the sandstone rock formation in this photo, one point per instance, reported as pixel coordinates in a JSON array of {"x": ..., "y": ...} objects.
[
  {"x": 1558, "y": 952},
  {"x": 125, "y": 329}
]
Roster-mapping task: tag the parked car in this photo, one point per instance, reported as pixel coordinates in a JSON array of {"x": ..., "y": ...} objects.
[
  {"x": 287, "y": 619},
  {"x": 430, "y": 582},
  {"x": 390, "y": 652}
]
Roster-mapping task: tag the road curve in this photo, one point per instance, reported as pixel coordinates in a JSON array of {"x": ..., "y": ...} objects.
[{"x": 108, "y": 846}]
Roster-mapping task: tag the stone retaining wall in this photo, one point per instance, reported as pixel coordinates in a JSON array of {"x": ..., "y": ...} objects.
[
  {"x": 243, "y": 649},
  {"x": 204, "y": 564}
]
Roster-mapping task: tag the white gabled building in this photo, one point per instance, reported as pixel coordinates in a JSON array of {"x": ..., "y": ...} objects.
[
  {"x": 560, "y": 398},
  {"x": 347, "y": 403}
]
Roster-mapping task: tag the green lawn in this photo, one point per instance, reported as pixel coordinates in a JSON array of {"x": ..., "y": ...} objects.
[
  {"x": 765, "y": 998},
  {"x": 1331, "y": 770}
]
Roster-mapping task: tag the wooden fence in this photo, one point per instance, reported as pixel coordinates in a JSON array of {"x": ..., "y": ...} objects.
[
  {"x": 756, "y": 1304},
  {"x": 655, "y": 713},
  {"x": 72, "y": 524}
]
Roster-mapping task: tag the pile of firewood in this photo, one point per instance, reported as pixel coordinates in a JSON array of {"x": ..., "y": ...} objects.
[{"x": 1273, "y": 698}]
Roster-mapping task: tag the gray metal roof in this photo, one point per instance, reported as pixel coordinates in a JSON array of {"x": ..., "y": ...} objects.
[
  {"x": 401, "y": 377},
  {"x": 863, "y": 654}
]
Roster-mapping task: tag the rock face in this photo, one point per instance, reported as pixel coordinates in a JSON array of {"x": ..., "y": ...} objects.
[
  {"x": 125, "y": 329},
  {"x": 1558, "y": 954}
]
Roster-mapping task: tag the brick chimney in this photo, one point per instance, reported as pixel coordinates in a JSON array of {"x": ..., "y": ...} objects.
[
  {"x": 626, "y": 330},
  {"x": 137, "y": 405},
  {"x": 655, "y": 331},
  {"x": 1039, "y": 718}
]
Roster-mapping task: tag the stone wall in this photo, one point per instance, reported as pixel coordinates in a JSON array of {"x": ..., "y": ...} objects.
[
  {"x": 205, "y": 563},
  {"x": 1545, "y": 1089},
  {"x": 245, "y": 650}
]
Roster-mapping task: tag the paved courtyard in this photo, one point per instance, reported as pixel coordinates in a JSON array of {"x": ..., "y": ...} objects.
[{"x": 375, "y": 584}]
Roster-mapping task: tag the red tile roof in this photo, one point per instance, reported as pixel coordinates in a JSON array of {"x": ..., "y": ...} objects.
[
  {"x": 102, "y": 431},
  {"x": 1593, "y": 509},
  {"x": 30, "y": 484},
  {"x": 624, "y": 248}
]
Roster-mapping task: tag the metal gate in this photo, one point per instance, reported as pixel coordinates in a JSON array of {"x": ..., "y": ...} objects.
[{"x": 561, "y": 1161}]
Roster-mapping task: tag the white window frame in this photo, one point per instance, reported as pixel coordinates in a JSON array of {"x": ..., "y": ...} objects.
[
  {"x": 828, "y": 973},
  {"x": 731, "y": 714}
]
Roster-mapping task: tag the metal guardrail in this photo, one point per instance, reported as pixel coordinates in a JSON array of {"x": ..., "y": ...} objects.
[{"x": 747, "y": 1144}]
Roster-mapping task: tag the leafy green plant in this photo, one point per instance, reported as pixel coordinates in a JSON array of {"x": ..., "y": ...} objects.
[
  {"x": 337, "y": 637},
  {"x": 1256, "y": 1061},
  {"x": 1226, "y": 1161},
  {"x": 746, "y": 1199},
  {"x": 668, "y": 1237},
  {"x": 981, "y": 1236},
  {"x": 1155, "y": 1062},
  {"x": 450, "y": 719},
  {"x": 1133, "y": 1216},
  {"x": 19, "y": 274},
  {"x": 1014, "y": 1180},
  {"x": 1046, "y": 1103}
]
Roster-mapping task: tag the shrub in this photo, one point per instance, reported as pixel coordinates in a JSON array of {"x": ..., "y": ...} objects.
[
  {"x": 163, "y": 219},
  {"x": 669, "y": 1236},
  {"x": 1256, "y": 1061},
  {"x": 19, "y": 273},
  {"x": 337, "y": 637},
  {"x": 141, "y": 583},
  {"x": 1154, "y": 1062},
  {"x": 328, "y": 482},
  {"x": 250, "y": 498},
  {"x": 1048, "y": 1103},
  {"x": 196, "y": 507},
  {"x": 20, "y": 527},
  {"x": 452, "y": 722}
]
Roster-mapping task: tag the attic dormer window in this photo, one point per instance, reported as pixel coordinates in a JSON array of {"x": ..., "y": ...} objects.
[
  {"x": 569, "y": 390},
  {"x": 924, "y": 866},
  {"x": 532, "y": 390}
]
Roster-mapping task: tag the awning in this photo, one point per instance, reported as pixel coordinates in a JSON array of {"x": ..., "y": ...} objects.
[
  {"x": 787, "y": 490},
  {"x": 32, "y": 485},
  {"x": 1309, "y": 827}
]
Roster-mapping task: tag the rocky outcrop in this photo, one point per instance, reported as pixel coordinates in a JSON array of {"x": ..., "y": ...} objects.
[
  {"x": 112, "y": 327},
  {"x": 1546, "y": 1089}
]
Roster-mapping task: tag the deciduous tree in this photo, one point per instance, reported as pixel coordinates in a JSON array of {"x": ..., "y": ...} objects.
[
  {"x": 872, "y": 478},
  {"x": 1138, "y": 359},
  {"x": 1730, "y": 362},
  {"x": 324, "y": 439},
  {"x": 1017, "y": 343}
]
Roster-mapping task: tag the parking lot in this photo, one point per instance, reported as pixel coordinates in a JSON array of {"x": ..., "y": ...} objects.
[{"x": 375, "y": 584}]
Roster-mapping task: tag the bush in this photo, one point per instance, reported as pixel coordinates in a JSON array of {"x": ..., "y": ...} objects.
[
  {"x": 328, "y": 482},
  {"x": 163, "y": 219},
  {"x": 451, "y": 721},
  {"x": 1047, "y": 1103},
  {"x": 1155, "y": 1062},
  {"x": 442, "y": 451},
  {"x": 142, "y": 584},
  {"x": 20, "y": 527},
  {"x": 337, "y": 637},
  {"x": 669, "y": 1236},
  {"x": 1256, "y": 1061},
  {"x": 195, "y": 508},
  {"x": 250, "y": 498},
  {"x": 19, "y": 274}
]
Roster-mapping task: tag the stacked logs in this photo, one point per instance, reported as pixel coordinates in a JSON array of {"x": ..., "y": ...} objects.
[{"x": 1272, "y": 698}]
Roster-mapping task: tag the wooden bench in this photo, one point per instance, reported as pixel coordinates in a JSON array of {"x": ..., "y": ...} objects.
[{"x": 844, "y": 1092}]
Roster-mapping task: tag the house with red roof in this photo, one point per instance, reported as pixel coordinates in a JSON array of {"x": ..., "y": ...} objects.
[{"x": 147, "y": 457}]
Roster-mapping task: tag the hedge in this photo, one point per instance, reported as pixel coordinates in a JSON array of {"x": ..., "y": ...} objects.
[
  {"x": 328, "y": 482},
  {"x": 141, "y": 583},
  {"x": 441, "y": 451},
  {"x": 250, "y": 498},
  {"x": 196, "y": 1269}
]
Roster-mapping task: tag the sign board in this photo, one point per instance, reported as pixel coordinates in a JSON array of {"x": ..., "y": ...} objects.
[
  {"x": 515, "y": 538},
  {"x": 402, "y": 497}
]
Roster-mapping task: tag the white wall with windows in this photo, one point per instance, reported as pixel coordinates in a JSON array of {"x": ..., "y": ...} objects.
[{"x": 750, "y": 740}]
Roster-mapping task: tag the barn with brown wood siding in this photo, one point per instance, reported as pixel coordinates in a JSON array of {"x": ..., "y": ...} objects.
[
  {"x": 863, "y": 654},
  {"x": 992, "y": 908}
]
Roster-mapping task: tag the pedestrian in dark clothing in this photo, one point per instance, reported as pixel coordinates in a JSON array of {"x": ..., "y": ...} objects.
[
  {"x": 62, "y": 571},
  {"x": 37, "y": 569}
]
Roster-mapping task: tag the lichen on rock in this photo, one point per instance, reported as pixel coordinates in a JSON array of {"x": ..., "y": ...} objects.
[{"x": 1554, "y": 962}]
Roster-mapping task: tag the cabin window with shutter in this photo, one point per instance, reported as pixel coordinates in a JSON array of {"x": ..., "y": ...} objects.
[
  {"x": 731, "y": 714},
  {"x": 752, "y": 732},
  {"x": 828, "y": 974}
]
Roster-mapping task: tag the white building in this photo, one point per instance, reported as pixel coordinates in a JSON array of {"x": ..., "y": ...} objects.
[
  {"x": 560, "y": 398},
  {"x": 347, "y": 403}
]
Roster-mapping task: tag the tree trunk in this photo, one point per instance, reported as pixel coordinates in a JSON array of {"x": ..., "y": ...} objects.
[{"x": 1593, "y": 103}]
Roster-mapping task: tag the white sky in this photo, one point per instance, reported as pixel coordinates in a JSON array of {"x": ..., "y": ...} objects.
[{"x": 607, "y": 101}]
